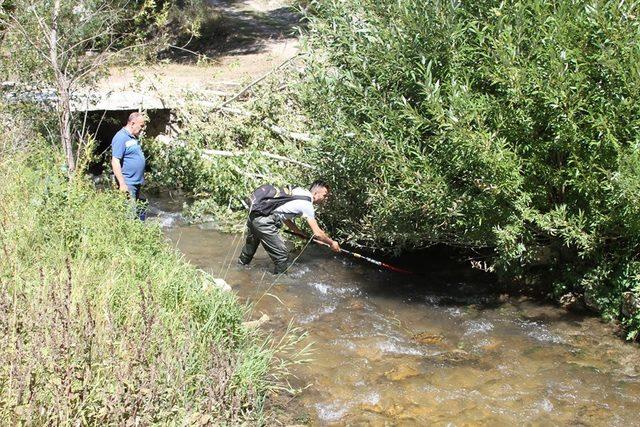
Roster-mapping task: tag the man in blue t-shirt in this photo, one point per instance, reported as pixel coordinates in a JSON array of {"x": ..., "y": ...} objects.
[{"x": 128, "y": 160}]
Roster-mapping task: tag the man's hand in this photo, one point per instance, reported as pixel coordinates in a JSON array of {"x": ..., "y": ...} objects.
[
  {"x": 320, "y": 235},
  {"x": 117, "y": 171}
]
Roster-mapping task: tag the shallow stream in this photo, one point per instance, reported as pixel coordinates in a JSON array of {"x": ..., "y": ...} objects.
[{"x": 397, "y": 350}]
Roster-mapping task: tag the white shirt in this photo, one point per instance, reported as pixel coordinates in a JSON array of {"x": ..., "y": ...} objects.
[{"x": 295, "y": 208}]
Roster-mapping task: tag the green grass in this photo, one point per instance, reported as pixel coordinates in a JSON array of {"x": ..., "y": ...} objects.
[{"x": 102, "y": 323}]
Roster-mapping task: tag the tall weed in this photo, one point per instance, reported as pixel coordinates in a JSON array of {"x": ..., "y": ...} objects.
[{"x": 102, "y": 323}]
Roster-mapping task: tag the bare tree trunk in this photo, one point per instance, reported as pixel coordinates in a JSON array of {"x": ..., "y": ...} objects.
[{"x": 64, "y": 101}]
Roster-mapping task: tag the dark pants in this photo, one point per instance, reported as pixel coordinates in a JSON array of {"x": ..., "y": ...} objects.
[
  {"x": 139, "y": 203},
  {"x": 264, "y": 229}
]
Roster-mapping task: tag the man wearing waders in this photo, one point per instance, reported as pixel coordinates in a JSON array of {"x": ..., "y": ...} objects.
[{"x": 270, "y": 208}]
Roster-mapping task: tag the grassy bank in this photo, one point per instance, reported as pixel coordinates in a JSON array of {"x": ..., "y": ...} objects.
[{"x": 102, "y": 323}]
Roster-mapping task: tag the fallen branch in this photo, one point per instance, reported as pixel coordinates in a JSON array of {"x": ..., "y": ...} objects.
[
  {"x": 255, "y": 82},
  {"x": 167, "y": 140},
  {"x": 237, "y": 111},
  {"x": 226, "y": 153},
  {"x": 199, "y": 55},
  {"x": 300, "y": 136},
  {"x": 305, "y": 137}
]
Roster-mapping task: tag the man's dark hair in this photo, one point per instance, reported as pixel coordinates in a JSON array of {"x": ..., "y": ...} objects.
[{"x": 319, "y": 184}]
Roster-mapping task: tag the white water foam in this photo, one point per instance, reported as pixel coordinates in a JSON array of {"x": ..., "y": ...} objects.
[
  {"x": 545, "y": 405},
  {"x": 299, "y": 271},
  {"x": 167, "y": 219},
  {"x": 474, "y": 327},
  {"x": 540, "y": 332},
  {"x": 331, "y": 411},
  {"x": 320, "y": 287},
  {"x": 455, "y": 312},
  {"x": 315, "y": 316},
  {"x": 371, "y": 398},
  {"x": 326, "y": 289},
  {"x": 391, "y": 347}
]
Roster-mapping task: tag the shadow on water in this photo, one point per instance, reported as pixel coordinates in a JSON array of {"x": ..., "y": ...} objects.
[{"x": 441, "y": 274}]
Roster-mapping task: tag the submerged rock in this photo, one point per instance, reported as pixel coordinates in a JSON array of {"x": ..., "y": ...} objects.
[
  {"x": 369, "y": 352},
  {"x": 490, "y": 345},
  {"x": 394, "y": 410},
  {"x": 368, "y": 407},
  {"x": 355, "y": 304},
  {"x": 455, "y": 357},
  {"x": 427, "y": 338},
  {"x": 401, "y": 372},
  {"x": 417, "y": 413}
]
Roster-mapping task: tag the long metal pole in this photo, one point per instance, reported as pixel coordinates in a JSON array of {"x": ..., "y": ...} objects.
[{"x": 355, "y": 255}]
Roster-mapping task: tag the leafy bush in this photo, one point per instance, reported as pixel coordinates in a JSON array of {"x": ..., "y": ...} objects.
[
  {"x": 513, "y": 125},
  {"x": 102, "y": 323}
]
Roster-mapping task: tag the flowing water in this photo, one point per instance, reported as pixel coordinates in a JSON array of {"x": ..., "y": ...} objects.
[{"x": 396, "y": 350}]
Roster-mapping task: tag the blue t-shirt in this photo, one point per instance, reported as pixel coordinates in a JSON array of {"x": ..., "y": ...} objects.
[{"x": 126, "y": 147}]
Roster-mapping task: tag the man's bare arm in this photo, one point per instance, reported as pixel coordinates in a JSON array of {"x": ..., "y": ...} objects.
[
  {"x": 117, "y": 171},
  {"x": 293, "y": 227},
  {"x": 320, "y": 235}
]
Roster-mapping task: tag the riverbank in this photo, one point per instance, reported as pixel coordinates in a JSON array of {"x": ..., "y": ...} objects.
[{"x": 103, "y": 323}]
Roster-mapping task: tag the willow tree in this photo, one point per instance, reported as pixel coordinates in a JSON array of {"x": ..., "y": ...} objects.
[{"x": 513, "y": 125}]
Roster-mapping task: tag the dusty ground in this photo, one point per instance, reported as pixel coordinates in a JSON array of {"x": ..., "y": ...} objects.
[{"x": 257, "y": 36}]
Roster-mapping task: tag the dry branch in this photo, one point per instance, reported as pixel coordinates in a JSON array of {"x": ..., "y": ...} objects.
[
  {"x": 299, "y": 136},
  {"x": 225, "y": 153},
  {"x": 255, "y": 82}
]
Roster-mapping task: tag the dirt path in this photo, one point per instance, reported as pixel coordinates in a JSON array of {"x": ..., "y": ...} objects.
[{"x": 255, "y": 36}]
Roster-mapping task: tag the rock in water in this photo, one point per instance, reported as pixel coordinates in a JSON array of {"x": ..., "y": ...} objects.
[
  {"x": 215, "y": 282},
  {"x": 401, "y": 372},
  {"x": 222, "y": 284},
  {"x": 253, "y": 324},
  {"x": 457, "y": 356},
  {"x": 427, "y": 338},
  {"x": 368, "y": 407}
]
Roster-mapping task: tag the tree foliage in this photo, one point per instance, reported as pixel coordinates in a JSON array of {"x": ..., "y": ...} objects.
[
  {"x": 509, "y": 124},
  {"x": 60, "y": 45},
  {"x": 160, "y": 22}
]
